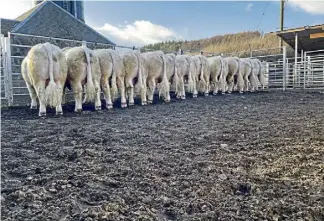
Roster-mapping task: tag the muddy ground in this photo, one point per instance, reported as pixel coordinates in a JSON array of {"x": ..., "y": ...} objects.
[{"x": 229, "y": 157}]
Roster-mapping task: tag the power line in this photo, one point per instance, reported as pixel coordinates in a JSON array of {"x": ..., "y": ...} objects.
[
  {"x": 263, "y": 13},
  {"x": 265, "y": 8}
]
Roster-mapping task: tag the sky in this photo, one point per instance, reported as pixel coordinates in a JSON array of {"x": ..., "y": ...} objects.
[{"x": 145, "y": 22}]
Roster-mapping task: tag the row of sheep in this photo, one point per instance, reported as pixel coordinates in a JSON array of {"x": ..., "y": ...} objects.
[{"x": 48, "y": 70}]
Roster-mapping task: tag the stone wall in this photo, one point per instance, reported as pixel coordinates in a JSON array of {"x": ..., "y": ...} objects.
[{"x": 7, "y": 25}]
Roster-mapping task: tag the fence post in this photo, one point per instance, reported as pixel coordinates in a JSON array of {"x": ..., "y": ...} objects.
[
  {"x": 308, "y": 71},
  {"x": 323, "y": 73},
  {"x": 311, "y": 71},
  {"x": 284, "y": 70},
  {"x": 268, "y": 73},
  {"x": 84, "y": 43},
  {"x": 1, "y": 54},
  {"x": 4, "y": 67},
  {"x": 294, "y": 74},
  {"x": 9, "y": 71},
  {"x": 304, "y": 64}
]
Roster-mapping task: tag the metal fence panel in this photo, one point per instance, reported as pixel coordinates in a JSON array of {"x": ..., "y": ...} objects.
[
  {"x": 9, "y": 72},
  {"x": 276, "y": 69},
  {"x": 2, "y": 70},
  {"x": 5, "y": 70},
  {"x": 18, "y": 46},
  {"x": 305, "y": 72}
]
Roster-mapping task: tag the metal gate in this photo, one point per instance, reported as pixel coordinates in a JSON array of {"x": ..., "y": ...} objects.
[
  {"x": 305, "y": 72},
  {"x": 14, "y": 48},
  {"x": 5, "y": 72},
  {"x": 276, "y": 69},
  {"x": 313, "y": 70}
]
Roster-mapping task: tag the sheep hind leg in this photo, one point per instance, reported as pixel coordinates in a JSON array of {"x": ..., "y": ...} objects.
[{"x": 33, "y": 96}]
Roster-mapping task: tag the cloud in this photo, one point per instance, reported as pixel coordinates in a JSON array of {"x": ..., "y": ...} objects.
[
  {"x": 11, "y": 9},
  {"x": 138, "y": 33},
  {"x": 248, "y": 7},
  {"x": 312, "y": 7}
]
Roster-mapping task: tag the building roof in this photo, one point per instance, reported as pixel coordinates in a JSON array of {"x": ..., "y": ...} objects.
[
  {"x": 50, "y": 20},
  {"x": 7, "y": 25},
  {"x": 28, "y": 13},
  {"x": 310, "y": 38}
]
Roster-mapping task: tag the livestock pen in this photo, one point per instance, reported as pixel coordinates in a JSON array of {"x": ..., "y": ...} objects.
[
  {"x": 251, "y": 156},
  {"x": 307, "y": 72}
]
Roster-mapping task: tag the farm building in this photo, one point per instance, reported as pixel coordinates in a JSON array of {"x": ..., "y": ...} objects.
[
  {"x": 306, "y": 69},
  {"x": 308, "y": 38},
  {"x": 47, "y": 19},
  {"x": 74, "y": 7}
]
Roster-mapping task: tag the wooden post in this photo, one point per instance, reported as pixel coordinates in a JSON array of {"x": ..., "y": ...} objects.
[{"x": 282, "y": 10}]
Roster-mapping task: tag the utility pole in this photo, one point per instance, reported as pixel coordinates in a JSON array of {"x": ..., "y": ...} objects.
[{"x": 282, "y": 10}]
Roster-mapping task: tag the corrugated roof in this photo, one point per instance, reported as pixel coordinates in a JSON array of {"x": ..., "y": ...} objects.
[
  {"x": 310, "y": 38},
  {"x": 321, "y": 26}
]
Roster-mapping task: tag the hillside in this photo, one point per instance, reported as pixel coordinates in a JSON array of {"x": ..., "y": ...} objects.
[{"x": 229, "y": 43}]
